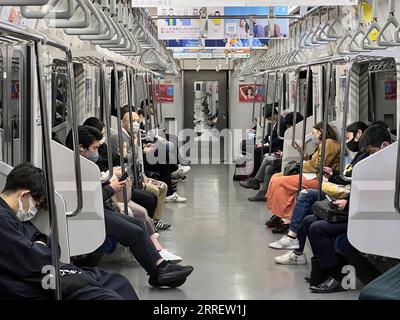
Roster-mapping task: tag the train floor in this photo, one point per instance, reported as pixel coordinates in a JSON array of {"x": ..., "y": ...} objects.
[{"x": 223, "y": 236}]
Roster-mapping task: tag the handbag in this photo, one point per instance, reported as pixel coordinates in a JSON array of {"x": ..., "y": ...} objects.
[
  {"x": 326, "y": 210},
  {"x": 291, "y": 168}
]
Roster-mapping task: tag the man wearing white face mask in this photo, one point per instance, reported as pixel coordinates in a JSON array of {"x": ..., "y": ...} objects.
[{"x": 25, "y": 250}]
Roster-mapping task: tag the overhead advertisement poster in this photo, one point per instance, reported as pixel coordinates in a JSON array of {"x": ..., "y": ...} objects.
[
  {"x": 239, "y": 3},
  {"x": 165, "y": 92},
  {"x": 247, "y": 92},
  {"x": 178, "y": 29},
  {"x": 221, "y": 33}
]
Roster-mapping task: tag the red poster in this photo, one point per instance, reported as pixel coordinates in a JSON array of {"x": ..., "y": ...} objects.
[
  {"x": 166, "y": 91},
  {"x": 391, "y": 90},
  {"x": 247, "y": 92}
]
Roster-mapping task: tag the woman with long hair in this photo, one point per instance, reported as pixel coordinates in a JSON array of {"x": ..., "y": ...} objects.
[{"x": 244, "y": 27}]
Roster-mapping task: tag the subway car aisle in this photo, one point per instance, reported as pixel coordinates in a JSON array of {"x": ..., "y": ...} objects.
[{"x": 222, "y": 235}]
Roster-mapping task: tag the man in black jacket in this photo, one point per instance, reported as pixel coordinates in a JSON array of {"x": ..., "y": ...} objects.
[{"x": 25, "y": 251}]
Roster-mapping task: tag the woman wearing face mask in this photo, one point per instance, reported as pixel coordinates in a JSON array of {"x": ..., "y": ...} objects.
[{"x": 282, "y": 189}]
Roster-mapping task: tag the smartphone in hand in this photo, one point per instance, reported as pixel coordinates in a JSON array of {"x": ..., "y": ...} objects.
[
  {"x": 331, "y": 199},
  {"x": 124, "y": 177}
]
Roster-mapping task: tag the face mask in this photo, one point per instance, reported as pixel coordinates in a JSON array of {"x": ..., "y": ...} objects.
[
  {"x": 93, "y": 156},
  {"x": 103, "y": 140},
  {"x": 352, "y": 145},
  {"x": 314, "y": 139},
  {"x": 22, "y": 215},
  {"x": 135, "y": 126}
]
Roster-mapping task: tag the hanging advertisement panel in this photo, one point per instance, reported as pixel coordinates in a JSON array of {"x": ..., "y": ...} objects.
[
  {"x": 175, "y": 28},
  {"x": 247, "y": 92},
  {"x": 237, "y": 29},
  {"x": 165, "y": 92},
  {"x": 239, "y": 3}
]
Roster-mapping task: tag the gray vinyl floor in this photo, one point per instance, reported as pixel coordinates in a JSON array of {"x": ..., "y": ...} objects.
[{"x": 222, "y": 235}]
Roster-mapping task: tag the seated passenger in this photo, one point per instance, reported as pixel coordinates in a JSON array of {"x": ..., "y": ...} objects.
[
  {"x": 25, "y": 250},
  {"x": 277, "y": 144},
  {"x": 307, "y": 198},
  {"x": 270, "y": 165},
  {"x": 282, "y": 190},
  {"x": 372, "y": 140},
  {"x": 160, "y": 189},
  {"x": 143, "y": 198},
  {"x": 321, "y": 232},
  {"x": 164, "y": 170},
  {"x": 167, "y": 146},
  {"x": 128, "y": 231},
  {"x": 134, "y": 209}
]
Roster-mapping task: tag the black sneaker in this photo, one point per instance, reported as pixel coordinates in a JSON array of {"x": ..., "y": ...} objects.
[
  {"x": 161, "y": 226},
  {"x": 250, "y": 184},
  {"x": 281, "y": 228},
  {"x": 260, "y": 196},
  {"x": 175, "y": 284},
  {"x": 273, "y": 222},
  {"x": 173, "y": 273}
]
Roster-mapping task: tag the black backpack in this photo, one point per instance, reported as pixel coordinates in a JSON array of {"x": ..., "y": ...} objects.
[{"x": 291, "y": 168}]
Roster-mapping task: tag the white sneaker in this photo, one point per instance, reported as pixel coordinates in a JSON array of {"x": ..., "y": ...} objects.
[
  {"x": 291, "y": 258},
  {"x": 169, "y": 256},
  {"x": 177, "y": 173},
  {"x": 185, "y": 169},
  {"x": 285, "y": 243},
  {"x": 175, "y": 198}
]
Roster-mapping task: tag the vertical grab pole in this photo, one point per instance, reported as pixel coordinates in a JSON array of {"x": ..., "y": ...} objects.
[
  {"x": 323, "y": 148},
  {"x": 266, "y": 80},
  {"x": 261, "y": 102},
  {"x": 132, "y": 134},
  {"x": 107, "y": 114},
  {"x": 280, "y": 105},
  {"x": 74, "y": 126},
  {"x": 148, "y": 101},
  {"x": 254, "y": 100},
  {"x": 159, "y": 97},
  {"x": 134, "y": 92},
  {"x": 303, "y": 147},
  {"x": 297, "y": 94},
  {"x": 119, "y": 126},
  {"x": 145, "y": 109},
  {"x": 272, "y": 111},
  {"x": 344, "y": 122},
  {"x": 55, "y": 251},
  {"x": 153, "y": 95}
]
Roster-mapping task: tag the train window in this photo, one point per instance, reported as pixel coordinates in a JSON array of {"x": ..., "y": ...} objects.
[
  {"x": 382, "y": 93},
  {"x": 59, "y": 98},
  {"x": 15, "y": 106}
]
